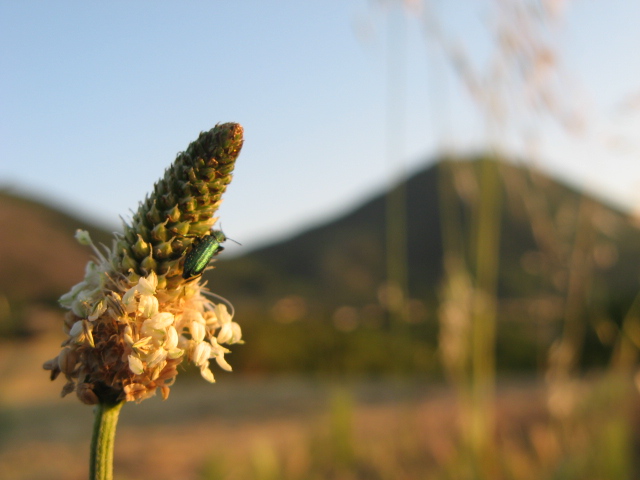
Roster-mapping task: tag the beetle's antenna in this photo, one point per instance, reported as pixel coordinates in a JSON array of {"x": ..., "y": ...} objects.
[
  {"x": 234, "y": 241},
  {"x": 227, "y": 303}
]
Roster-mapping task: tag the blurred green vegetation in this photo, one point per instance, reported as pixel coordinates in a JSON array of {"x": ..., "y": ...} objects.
[{"x": 594, "y": 443}]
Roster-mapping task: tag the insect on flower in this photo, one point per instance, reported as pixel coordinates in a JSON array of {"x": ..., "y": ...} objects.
[{"x": 202, "y": 250}]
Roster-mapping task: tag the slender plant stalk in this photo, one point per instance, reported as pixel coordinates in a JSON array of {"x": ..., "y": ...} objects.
[
  {"x": 483, "y": 334},
  {"x": 578, "y": 286},
  {"x": 469, "y": 308},
  {"x": 102, "y": 441},
  {"x": 396, "y": 204}
]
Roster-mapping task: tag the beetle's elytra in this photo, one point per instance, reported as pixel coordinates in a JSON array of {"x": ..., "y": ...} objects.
[{"x": 202, "y": 250}]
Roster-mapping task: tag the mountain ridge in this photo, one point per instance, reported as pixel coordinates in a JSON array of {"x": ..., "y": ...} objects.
[
  {"x": 332, "y": 277},
  {"x": 365, "y": 221}
]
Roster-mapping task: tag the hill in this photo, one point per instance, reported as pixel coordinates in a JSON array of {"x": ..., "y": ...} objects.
[
  {"x": 344, "y": 261},
  {"x": 558, "y": 247},
  {"x": 319, "y": 301}
]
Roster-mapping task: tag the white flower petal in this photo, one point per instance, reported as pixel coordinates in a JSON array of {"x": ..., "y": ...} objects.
[
  {"x": 201, "y": 354},
  {"x": 143, "y": 346},
  {"x": 80, "y": 305},
  {"x": 76, "y": 330},
  {"x": 156, "y": 357},
  {"x": 171, "y": 340},
  {"x": 223, "y": 314},
  {"x": 129, "y": 300},
  {"x": 230, "y": 333},
  {"x": 147, "y": 285},
  {"x": 225, "y": 334},
  {"x": 148, "y": 305},
  {"x": 98, "y": 309},
  {"x": 175, "y": 353},
  {"x": 162, "y": 320},
  {"x": 207, "y": 374},
  {"x": 135, "y": 365},
  {"x": 83, "y": 237},
  {"x": 222, "y": 363},
  {"x": 157, "y": 326},
  {"x": 197, "y": 331},
  {"x": 128, "y": 339},
  {"x": 91, "y": 270},
  {"x": 68, "y": 298}
]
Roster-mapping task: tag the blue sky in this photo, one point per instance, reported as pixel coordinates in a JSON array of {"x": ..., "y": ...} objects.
[{"x": 97, "y": 98}]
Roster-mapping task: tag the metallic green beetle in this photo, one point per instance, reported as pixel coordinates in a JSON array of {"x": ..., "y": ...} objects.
[{"x": 202, "y": 250}]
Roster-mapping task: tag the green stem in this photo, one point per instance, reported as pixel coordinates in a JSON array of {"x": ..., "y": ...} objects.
[{"x": 104, "y": 433}]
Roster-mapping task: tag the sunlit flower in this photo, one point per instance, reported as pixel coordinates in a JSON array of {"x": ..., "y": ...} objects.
[{"x": 134, "y": 318}]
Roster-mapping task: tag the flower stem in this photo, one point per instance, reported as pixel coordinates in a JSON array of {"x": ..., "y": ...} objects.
[{"x": 104, "y": 433}]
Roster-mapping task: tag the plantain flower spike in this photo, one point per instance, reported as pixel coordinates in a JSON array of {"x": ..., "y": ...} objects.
[{"x": 134, "y": 318}]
